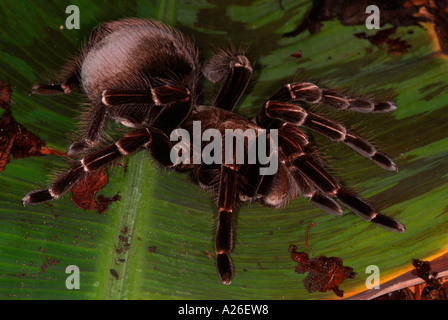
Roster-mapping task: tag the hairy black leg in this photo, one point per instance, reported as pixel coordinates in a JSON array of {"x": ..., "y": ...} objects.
[
  {"x": 161, "y": 96},
  {"x": 311, "y": 93},
  {"x": 249, "y": 181},
  {"x": 248, "y": 176},
  {"x": 317, "y": 184},
  {"x": 171, "y": 116},
  {"x": 252, "y": 173},
  {"x": 49, "y": 89},
  {"x": 92, "y": 134},
  {"x": 207, "y": 176},
  {"x": 276, "y": 110},
  {"x": 308, "y": 189},
  {"x": 159, "y": 145},
  {"x": 326, "y": 203},
  {"x": 328, "y": 185},
  {"x": 367, "y": 212},
  {"x": 224, "y": 232},
  {"x": 176, "y": 102},
  {"x": 275, "y": 190},
  {"x": 129, "y": 143},
  {"x": 70, "y": 83},
  {"x": 237, "y": 70},
  {"x": 293, "y": 142}
]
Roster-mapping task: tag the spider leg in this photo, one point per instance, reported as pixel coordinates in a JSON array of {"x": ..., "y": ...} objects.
[
  {"x": 70, "y": 82},
  {"x": 160, "y": 96},
  {"x": 93, "y": 131},
  {"x": 224, "y": 232},
  {"x": 293, "y": 142},
  {"x": 207, "y": 176},
  {"x": 237, "y": 70},
  {"x": 311, "y": 93},
  {"x": 155, "y": 138},
  {"x": 155, "y": 96},
  {"x": 291, "y": 113},
  {"x": 316, "y": 197},
  {"x": 317, "y": 184},
  {"x": 329, "y": 186},
  {"x": 249, "y": 182},
  {"x": 131, "y": 142}
]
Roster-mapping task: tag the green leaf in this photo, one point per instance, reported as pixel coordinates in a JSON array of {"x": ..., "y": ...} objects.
[{"x": 166, "y": 220}]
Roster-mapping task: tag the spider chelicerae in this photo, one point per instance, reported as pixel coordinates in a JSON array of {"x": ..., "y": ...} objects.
[{"x": 144, "y": 75}]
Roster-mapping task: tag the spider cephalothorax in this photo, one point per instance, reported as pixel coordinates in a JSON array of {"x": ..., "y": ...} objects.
[{"x": 144, "y": 75}]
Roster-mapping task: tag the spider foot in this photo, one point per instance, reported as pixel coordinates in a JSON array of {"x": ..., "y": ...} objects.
[
  {"x": 388, "y": 223},
  {"x": 219, "y": 68},
  {"x": 327, "y": 204},
  {"x": 367, "y": 212},
  {"x": 225, "y": 267},
  {"x": 50, "y": 89},
  {"x": 235, "y": 70},
  {"x": 369, "y": 106},
  {"x": 384, "y": 161},
  {"x": 38, "y": 196}
]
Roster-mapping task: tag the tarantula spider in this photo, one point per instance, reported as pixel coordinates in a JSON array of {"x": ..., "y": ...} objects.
[{"x": 144, "y": 75}]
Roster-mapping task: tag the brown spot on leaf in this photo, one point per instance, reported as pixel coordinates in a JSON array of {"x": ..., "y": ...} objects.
[
  {"x": 382, "y": 37},
  {"x": 15, "y": 140},
  {"x": 297, "y": 54},
  {"x": 324, "y": 273},
  {"x": 152, "y": 249},
  {"x": 397, "y": 13},
  {"x": 48, "y": 262},
  {"x": 114, "y": 274},
  {"x": 83, "y": 192},
  {"x": 103, "y": 202}
]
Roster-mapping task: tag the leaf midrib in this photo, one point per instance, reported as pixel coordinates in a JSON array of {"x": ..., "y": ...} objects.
[{"x": 126, "y": 215}]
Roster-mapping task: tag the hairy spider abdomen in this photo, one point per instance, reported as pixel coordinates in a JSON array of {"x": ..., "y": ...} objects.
[{"x": 137, "y": 54}]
